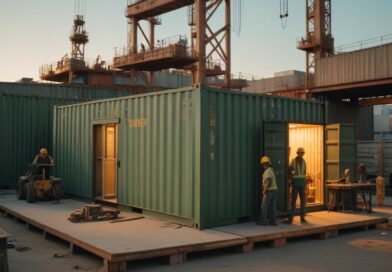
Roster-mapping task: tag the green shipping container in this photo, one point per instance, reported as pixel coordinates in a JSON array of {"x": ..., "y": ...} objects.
[
  {"x": 26, "y": 121},
  {"x": 190, "y": 155}
]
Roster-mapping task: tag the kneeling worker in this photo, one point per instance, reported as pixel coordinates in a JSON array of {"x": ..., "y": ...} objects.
[{"x": 270, "y": 191}]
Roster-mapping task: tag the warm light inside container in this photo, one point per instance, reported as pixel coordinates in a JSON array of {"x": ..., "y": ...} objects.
[{"x": 310, "y": 137}]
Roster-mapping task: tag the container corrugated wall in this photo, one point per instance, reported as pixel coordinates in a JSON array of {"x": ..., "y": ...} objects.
[
  {"x": 172, "y": 80},
  {"x": 363, "y": 65},
  {"x": 231, "y": 137},
  {"x": 377, "y": 157},
  {"x": 387, "y": 158},
  {"x": 362, "y": 117},
  {"x": 26, "y": 124},
  {"x": 159, "y": 162},
  {"x": 26, "y": 121},
  {"x": 81, "y": 93},
  {"x": 278, "y": 83}
]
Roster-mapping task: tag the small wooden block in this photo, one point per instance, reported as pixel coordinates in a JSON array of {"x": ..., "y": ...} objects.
[
  {"x": 383, "y": 226},
  {"x": 248, "y": 247},
  {"x": 177, "y": 258},
  {"x": 278, "y": 242},
  {"x": 114, "y": 266},
  {"x": 74, "y": 249},
  {"x": 329, "y": 234},
  {"x": 47, "y": 235},
  {"x": 366, "y": 227}
]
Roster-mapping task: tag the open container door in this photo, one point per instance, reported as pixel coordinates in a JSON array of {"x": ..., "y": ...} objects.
[
  {"x": 275, "y": 146},
  {"x": 340, "y": 151}
]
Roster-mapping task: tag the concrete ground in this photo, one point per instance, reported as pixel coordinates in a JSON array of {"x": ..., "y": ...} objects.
[{"x": 351, "y": 251}]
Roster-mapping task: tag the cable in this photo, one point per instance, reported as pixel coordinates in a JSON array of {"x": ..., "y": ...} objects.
[{"x": 284, "y": 12}]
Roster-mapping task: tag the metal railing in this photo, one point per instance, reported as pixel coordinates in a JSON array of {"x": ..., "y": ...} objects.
[
  {"x": 372, "y": 42},
  {"x": 175, "y": 46},
  {"x": 245, "y": 76},
  {"x": 67, "y": 63},
  {"x": 178, "y": 39}
]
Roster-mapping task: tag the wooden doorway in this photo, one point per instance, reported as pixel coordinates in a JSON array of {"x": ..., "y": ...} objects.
[{"x": 105, "y": 162}]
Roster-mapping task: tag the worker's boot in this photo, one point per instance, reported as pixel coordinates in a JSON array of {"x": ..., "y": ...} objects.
[
  {"x": 273, "y": 222},
  {"x": 262, "y": 221},
  {"x": 303, "y": 220}
]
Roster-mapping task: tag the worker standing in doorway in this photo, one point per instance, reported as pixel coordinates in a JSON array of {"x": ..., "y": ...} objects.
[
  {"x": 270, "y": 190},
  {"x": 297, "y": 178}
]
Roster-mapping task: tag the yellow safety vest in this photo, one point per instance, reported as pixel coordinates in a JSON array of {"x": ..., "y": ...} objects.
[{"x": 269, "y": 174}]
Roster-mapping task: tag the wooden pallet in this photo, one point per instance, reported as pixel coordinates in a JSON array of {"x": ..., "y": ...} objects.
[
  {"x": 147, "y": 238},
  {"x": 139, "y": 239},
  {"x": 322, "y": 225}
]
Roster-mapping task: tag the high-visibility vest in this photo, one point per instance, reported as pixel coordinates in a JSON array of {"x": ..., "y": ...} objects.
[
  {"x": 269, "y": 174},
  {"x": 299, "y": 168}
]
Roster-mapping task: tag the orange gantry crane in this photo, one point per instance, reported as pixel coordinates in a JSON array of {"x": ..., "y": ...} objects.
[{"x": 207, "y": 41}]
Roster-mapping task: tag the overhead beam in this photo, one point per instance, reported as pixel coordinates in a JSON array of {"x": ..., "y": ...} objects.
[
  {"x": 375, "y": 101},
  {"x": 150, "y": 8}
]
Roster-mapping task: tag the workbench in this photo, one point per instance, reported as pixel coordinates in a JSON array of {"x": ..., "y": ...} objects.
[{"x": 347, "y": 193}]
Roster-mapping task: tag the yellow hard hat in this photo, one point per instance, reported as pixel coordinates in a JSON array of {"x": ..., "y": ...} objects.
[
  {"x": 265, "y": 159},
  {"x": 300, "y": 150},
  {"x": 43, "y": 151}
]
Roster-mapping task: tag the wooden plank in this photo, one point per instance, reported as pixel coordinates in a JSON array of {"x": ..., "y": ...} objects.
[{"x": 127, "y": 219}]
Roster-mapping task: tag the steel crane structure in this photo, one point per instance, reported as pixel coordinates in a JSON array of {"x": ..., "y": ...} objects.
[
  {"x": 207, "y": 42},
  {"x": 75, "y": 65},
  {"x": 318, "y": 41}
]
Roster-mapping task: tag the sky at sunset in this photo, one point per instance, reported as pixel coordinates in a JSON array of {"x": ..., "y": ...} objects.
[{"x": 35, "y": 32}]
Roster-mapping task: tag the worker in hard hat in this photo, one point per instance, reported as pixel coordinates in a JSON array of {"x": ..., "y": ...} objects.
[
  {"x": 43, "y": 161},
  {"x": 270, "y": 190},
  {"x": 297, "y": 179}
]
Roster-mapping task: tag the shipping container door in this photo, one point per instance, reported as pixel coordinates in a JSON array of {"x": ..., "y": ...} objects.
[
  {"x": 275, "y": 146},
  {"x": 105, "y": 161},
  {"x": 340, "y": 151},
  {"x": 110, "y": 163}
]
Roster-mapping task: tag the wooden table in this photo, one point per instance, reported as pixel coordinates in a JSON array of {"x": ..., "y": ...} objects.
[
  {"x": 347, "y": 193},
  {"x": 3, "y": 251}
]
